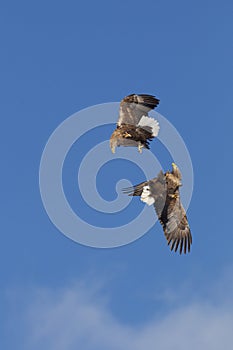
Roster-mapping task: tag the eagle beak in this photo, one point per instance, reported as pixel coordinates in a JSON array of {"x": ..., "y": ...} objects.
[{"x": 174, "y": 167}]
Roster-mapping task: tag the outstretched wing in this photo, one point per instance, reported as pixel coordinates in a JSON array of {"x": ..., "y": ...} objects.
[
  {"x": 133, "y": 107},
  {"x": 175, "y": 224}
]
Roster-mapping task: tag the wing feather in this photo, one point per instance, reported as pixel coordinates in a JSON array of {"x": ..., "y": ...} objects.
[
  {"x": 133, "y": 107},
  {"x": 135, "y": 190},
  {"x": 154, "y": 184},
  {"x": 175, "y": 225}
]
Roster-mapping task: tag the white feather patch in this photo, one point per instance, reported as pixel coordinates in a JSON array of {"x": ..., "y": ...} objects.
[
  {"x": 148, "y": 121},
  {"x": 146, "y": 196}
]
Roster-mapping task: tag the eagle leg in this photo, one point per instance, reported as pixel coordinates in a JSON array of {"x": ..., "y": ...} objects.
[{"x": 140, "y": 146}]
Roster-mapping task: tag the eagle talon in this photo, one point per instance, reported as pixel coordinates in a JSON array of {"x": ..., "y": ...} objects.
[{"x": 126, "y": 135}]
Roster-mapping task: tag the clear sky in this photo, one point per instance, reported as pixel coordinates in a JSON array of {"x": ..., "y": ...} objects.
[{"x": 57, "y": 58}]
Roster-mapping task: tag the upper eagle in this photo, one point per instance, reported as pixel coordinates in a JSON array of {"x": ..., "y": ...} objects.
[
  {"x": 134, "y": 127},
  {"x": 163, "y": 192}
]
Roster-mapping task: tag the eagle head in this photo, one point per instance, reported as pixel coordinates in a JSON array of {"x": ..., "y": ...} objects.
[{"x": 176, "y": 172}]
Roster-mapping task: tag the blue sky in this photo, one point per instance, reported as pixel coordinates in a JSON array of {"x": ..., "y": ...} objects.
[{"x": 58, "y": 58}]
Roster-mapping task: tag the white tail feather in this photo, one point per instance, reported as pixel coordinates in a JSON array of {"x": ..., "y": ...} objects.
[
  {"x": 148, "y": 121},
  {"x": 146, "y": 196}
]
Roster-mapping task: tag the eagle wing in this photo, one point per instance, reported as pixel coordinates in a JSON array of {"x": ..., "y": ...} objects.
[
  {"x": 133, "y": 107},
  {"x": 175, "y": 224},
  {"x": 154, "y": 184}
]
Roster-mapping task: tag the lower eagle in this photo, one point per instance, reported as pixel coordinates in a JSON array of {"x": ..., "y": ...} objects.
[{"x": 163, "y": 192}]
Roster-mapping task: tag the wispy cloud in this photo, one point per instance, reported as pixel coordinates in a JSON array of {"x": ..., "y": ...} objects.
[{"x": 79, "y": 318}]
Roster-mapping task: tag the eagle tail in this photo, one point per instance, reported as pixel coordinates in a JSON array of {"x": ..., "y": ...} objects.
[{"x": 146, "y": 122}]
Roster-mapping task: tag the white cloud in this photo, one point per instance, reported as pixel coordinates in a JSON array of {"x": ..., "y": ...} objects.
[{"x": 78, "y": 318}]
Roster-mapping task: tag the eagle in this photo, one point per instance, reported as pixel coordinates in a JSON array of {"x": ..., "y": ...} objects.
[
  {"x": 163, "y": 192},
  {"x": 134, "y": 126}
]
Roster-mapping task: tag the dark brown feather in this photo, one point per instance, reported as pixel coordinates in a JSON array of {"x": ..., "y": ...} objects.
[
  {"x": 135, "y": 190},
  {"x": 133, "y": 107}
]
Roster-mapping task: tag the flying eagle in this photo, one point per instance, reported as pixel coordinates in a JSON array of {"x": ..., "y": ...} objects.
[
  {"x": 134, "y": 127},
  {"x": 163, "y": 193}
]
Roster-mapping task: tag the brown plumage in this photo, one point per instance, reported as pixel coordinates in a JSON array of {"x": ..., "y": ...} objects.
[
  {"x": 134, "y": 127},
  {"x": 163, "y": 192}
]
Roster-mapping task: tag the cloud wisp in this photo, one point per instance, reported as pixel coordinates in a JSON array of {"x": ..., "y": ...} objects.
[{"x": 80, "y": 318}]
